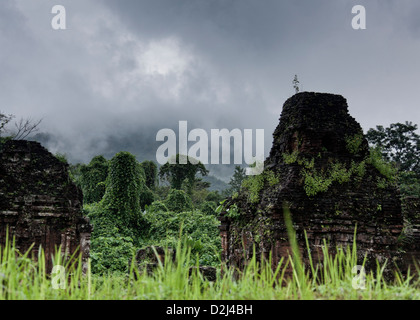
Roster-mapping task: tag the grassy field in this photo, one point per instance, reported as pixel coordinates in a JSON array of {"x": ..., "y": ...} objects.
[{"x": 21, "y": 278}]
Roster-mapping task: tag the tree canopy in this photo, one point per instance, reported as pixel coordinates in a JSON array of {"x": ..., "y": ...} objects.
[
  {"x": 92, "y": 179},
  {"x": 399, "y": 143},
  {"x": 150, "y": 171},
  {"x": 237, "y": 178},
  {"x": 176, "y": 173}
]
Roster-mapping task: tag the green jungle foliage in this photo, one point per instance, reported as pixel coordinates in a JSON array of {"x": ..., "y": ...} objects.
[
  {"x": 178, "y": 172},
  {"x": 254, "y": 184},
  {"x": 399, "y": 144},
  {"x": 117, "y": 217},
  {"x": 354, "y": 143},
  {"x": 201, "y": 231},
  {"x": 92, "y": 179},
  {"x": 208, "y": 207},
  {"x": 157, "y": 206},
  {"x": 236, "y": 181},
  {"x": 130, "y": 215},
  {"x": 178, "y": 201},
  {"x": 151, "y": 174},
  {"x": 320, "y": 180},
  {"x": 124, "y": 184},
  {"x": 61, "y": 157}
]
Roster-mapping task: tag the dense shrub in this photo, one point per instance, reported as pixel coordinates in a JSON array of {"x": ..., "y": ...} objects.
[
  {"x": 150, "y": 171},
  {"x": 215, "y": 196},
  {"x": 201, "y": 230},
  {"x": 92, "y": 179},
  {"x": 208, "y": 207},
  {"x": 157, "y": 206},
  {"x": 146, "y": 197},
  {"x": 117, "y": 218},
  {"x": 124, "y": 185},
  {"x": 178, "y": 201},
  {"x": 111, "y": 254}
]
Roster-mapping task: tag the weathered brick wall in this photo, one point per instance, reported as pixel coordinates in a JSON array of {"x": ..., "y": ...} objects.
[
  {"x": 317, "y": 127},
  {"x": 411, "y": 235},
  {"x": 39, "y": 203}
]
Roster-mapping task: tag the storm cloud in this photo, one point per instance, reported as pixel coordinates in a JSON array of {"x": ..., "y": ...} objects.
[{"x": 122, "y": 70}]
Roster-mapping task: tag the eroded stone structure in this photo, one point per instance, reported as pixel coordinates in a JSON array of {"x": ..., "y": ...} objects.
[
  {"x": 321, "y": 168},
  {"x": 39, "y": 204}
]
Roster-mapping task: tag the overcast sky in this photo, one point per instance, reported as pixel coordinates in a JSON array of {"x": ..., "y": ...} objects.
[{"x": 122, "y": 70}]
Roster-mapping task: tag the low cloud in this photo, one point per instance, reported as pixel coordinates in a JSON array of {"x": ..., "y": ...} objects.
[{"x": 123, "y": 70}]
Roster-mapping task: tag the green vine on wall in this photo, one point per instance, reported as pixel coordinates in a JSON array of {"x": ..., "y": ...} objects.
[
  {"x": 124, "y": 185},
  {"x": 354, "y": 143},
  {"x": 254, "y": 184},
  {"x": 316, "y": 181},
  {"x": 385, "y": 168}
]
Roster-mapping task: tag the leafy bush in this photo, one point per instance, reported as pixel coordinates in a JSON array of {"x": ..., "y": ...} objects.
[
  {"x": 124, "y": 186},
  {"x": 146, "y": 197},
  {"x": 117, "y": 217},
  {"x": 110, "y": 251},
  {"x": 354, "y": 143},
  {"x": 290, "y": 158},
  {"x": 385, "y": 168},
  {"x": 254, "y": 184},
  {"x": 316, "y": 181},
  {"x": 178, "y": 201},
  {"x": 111, "y": 254},
  {"x": 92, "y": 179},
  {"x": 61, "y": 157},
  {"x": 214, "y": 196},
  {"x": 157, "y": 206},
  {"x": 201, "y": 230},
  {"x": 208, "y": 207},
  {"x": 150, "y": 171},
  {"x": 409, "y": 184}
]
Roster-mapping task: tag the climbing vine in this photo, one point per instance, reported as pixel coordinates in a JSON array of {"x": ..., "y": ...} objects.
[
  {"x": 316, "y": 181},
  {"x": 290, "y": 158},
  {"x": 121, "y": 202},
  {"x": 178, "y": 201},
  {"x": 254, "y": 184},
  {"x": 92, "y": 179},
  {"x": 354, "y": 143},
  {"x": 319, "y": 180},
  {"x": 385, "y": 168}
]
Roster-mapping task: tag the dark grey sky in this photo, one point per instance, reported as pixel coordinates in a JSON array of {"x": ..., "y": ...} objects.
[{"x": 125, "y": 69}]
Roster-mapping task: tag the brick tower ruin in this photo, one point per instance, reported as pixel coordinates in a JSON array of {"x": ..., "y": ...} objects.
[
  {"x": 321, "y": 168},
  {"x": 39, "y": 204}
]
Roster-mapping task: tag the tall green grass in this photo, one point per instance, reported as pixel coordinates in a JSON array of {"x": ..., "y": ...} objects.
[{"x": 21, "y": 277}]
